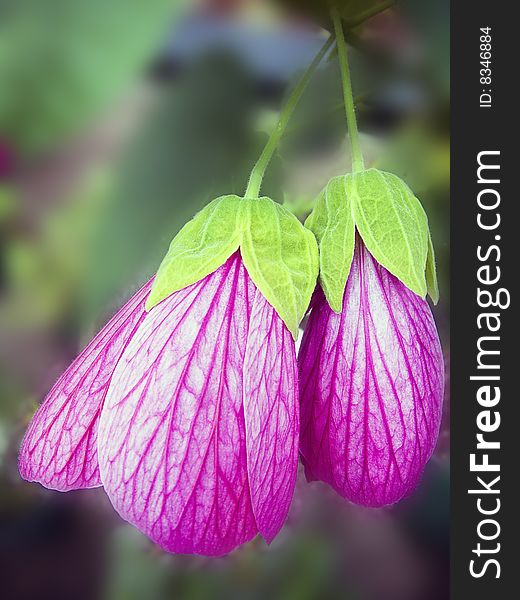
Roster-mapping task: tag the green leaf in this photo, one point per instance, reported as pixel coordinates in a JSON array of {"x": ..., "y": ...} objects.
[
  {"x": 332, "y": 223},
  {"x": 281, "y": 257},
  {"x": 431, "y": 273},
  {"x": 200, "y": 247},
  {"x": 392, "y": 224}
]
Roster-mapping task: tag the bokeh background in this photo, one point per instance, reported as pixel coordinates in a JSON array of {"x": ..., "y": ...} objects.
[{"x": 119, "y": 119}]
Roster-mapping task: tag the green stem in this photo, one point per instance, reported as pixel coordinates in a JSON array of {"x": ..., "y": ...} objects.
[
  {"x": 258, "y": 172},
  {"x": 357, "y": 156}
]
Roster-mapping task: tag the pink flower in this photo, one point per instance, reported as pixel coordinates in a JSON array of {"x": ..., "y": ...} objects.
[
  {"x": 187, "y": 415},
  {"x": 59, "y": 449},
  {"x": 371, "y": 380}
]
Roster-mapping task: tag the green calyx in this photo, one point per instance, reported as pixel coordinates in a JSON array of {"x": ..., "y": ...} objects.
[
  {"x": 332, "y": 223},
  {"x": 280, "y": 255},
  {"x": 391, "y": 222},
  {"x": 200, "y": 247}
]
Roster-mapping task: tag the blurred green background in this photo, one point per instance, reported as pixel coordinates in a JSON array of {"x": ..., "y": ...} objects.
[{"x": 119, "y": 119}]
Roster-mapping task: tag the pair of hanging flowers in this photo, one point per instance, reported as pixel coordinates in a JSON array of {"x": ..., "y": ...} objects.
[{"x": 191, "y": 408}]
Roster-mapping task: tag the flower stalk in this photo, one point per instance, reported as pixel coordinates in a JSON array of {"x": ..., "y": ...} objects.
[
  {"x": 358, "y": 163},
  {"x": 258, "y": 172}
]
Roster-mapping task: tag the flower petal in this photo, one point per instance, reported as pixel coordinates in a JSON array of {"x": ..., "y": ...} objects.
[
  {"x": 372, "y": 382},
  {"x": 172, "y": 436},
  {"x": 271, "y": 415},
  {"x": 59, "y": 449}
]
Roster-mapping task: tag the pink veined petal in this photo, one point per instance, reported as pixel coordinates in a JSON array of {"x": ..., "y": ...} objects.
[
  {"x": 172, "y": 433},
  {"x": 271, "y": 416},
  {"x": 372, "y": 381},
  {"x": 59, "y": 449}
]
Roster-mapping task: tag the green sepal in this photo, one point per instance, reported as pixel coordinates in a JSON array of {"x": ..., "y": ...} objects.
[
  {"x": 431, "y": 273},
  {"x": 332, "y": 223},
  {"x": 392, "y": 224},
  {"x": 281, "y": 257},
  {"x": 200, "y": 247},
  {"x": 389, "y": 219}
]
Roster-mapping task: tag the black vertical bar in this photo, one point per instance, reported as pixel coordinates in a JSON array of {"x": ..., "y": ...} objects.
[{"x": 482, "y": 123}]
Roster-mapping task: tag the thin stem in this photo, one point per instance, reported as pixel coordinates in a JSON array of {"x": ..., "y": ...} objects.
[
  {"x": 258, "y": 172},
  {"x": 357, "y": 156},
  {"x": 338, "y": 106}
]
